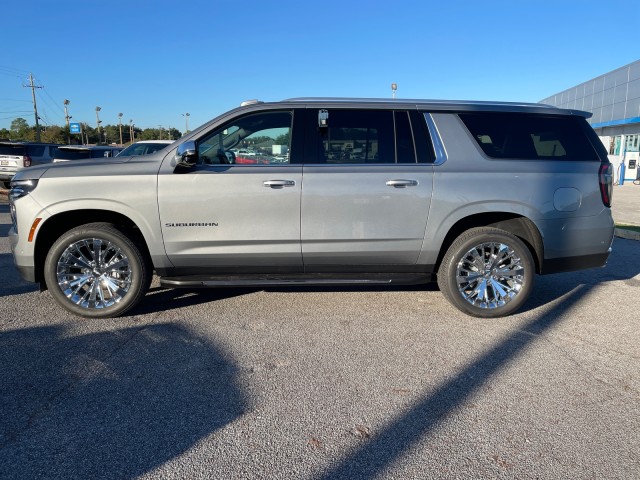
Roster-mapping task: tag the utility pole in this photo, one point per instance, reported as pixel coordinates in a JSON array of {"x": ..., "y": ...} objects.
[
  {"x": 67, "y": 117},
  {"x": 35, "y": 108},
  {"x": 120, "y": 126},
  {"x": 132, "y": 134},
  {"x": 98, "y": 122}
]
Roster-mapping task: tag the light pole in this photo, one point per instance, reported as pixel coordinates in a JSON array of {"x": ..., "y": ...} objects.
[
  {"x": 67, "y": 118},
  {"x": 394, "y": 87},
  {"x": 66, "y": 112},
  {"x": 186, "y": 117},
  {"x": 160, "y": 132},
  {"x": 131, "y": 131},
  {"x": 120, "y": 126},
  {"x": 98, "y": 122}
]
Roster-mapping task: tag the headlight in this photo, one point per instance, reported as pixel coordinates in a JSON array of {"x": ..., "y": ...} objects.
[{"x": 20, "y": 188}]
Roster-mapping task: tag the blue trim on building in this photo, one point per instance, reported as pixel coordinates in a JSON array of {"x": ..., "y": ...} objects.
[{"x": 614, "y": 123}]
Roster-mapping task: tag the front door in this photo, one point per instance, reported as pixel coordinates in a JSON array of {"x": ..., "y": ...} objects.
[{"x": 240, "y": 205}]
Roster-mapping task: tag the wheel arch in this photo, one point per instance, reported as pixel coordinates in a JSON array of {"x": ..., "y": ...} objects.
[
  {"x": 520, "y": 226},
  {"x": 60, "y": 223}
]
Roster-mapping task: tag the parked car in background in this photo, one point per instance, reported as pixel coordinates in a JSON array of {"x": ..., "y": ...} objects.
[
  {"x": 15, "y": 156},
  {"x": 144, "y": 147},
  {"x": 66, "y": 153}
]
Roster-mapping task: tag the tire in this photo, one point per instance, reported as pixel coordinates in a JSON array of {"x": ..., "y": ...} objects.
[
  {"x": 487, "y": 273},
  {"x": 97, "y": 271}
]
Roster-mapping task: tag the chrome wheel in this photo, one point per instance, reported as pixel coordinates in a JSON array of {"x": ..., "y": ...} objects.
[
  {"x": 93, "y": 273},
  {"x": 487, "y": 272},
  {"x": 490, "y": 275}
]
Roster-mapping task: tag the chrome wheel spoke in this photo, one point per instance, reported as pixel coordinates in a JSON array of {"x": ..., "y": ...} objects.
[
  {"x": 490, "y": 275},
  {"x": 94, "y": 273}
]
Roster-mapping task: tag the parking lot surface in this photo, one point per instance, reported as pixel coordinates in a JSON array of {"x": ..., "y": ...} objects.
[{"x": 324, "y": 383}]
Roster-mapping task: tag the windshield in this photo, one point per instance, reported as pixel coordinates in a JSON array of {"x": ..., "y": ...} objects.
[{"x": 142, "y": 149}]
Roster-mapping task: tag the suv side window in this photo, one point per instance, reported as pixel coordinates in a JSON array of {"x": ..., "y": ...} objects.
[
  {"x": 530, "y": 137},
  {"x": 257, "y": 139},
  {"x": 352, "y": 137},
  {"x": 35, "y": 150}
]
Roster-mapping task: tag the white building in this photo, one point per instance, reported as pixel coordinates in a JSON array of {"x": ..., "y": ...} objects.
[{"x": 614, "y": 100}]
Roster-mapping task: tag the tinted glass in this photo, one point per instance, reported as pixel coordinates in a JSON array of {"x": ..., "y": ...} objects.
[
  {"x": 405, "y": 150},
  {"x": 72, "y": 154},
  {"x": 12, "y": 149},
  {"x": 35, "y": 150},
  {"x": 357, "y": 136},
  {"x": 525, "y": 136}
]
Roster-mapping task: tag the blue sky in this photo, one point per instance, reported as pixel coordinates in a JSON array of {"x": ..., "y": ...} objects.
[{"x": 155, "y": 60}]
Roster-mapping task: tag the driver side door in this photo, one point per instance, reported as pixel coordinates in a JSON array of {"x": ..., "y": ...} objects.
[{"x": 238, "y": 208}]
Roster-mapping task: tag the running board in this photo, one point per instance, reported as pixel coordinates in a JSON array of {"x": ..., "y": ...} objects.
[{"x": 221, "y": 281}]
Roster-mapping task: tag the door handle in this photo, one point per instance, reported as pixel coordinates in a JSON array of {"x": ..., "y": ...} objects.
[
  {"x": 279, "y": 183},
  {"x": 402, "y": 183}
]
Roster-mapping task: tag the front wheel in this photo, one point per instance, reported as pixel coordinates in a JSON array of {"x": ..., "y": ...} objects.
[
  {"x": 487, "y": 272},
  {"x": 96, "y": 271}
]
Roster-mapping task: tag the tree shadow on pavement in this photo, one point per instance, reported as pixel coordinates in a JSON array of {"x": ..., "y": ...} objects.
[{"x": 114, "y": 404}]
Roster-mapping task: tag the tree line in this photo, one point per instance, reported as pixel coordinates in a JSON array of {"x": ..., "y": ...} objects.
[{"x": 21, "y": 131}]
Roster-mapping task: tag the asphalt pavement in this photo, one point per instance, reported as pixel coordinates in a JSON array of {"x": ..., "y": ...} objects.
[{"x": 325, "y": 383}]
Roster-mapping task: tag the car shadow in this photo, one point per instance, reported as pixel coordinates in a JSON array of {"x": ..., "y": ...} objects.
[
  {"x": 10, "y": 281},
  {"x": 113, "y": 404}
]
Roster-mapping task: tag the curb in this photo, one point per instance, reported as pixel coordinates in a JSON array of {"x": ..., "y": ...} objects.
[{"x": 628, "y": 234}]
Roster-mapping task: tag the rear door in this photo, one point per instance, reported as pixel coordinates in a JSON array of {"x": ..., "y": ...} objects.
[{"x": 365, "y": 198}]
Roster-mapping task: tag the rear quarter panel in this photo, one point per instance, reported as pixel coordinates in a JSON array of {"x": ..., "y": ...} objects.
[{"x": 561, "y": 198}]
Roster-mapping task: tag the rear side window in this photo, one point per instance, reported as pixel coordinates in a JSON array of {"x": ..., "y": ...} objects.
[
  {"x": 361, "y": 137},
  {"x": 12, "y": 150},
  {"x": 35, "y": 150},
  {"x": 530, "y": 137},
  {"x": 64, "y": 154}
]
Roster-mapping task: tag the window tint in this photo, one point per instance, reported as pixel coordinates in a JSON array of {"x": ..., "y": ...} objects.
[
  {"x": 405, "y": 150},
  {"x": 73, "y": 154},
  {"x": 258, "y": 139},
  {"x": 356, "y": 136},
  {"x": 524, "y": 136},
  {"x": 35, "y": 150},
  {"x": 12, "y": 149}
]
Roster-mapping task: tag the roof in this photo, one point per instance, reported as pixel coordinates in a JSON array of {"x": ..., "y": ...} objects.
[{"x": 435, "y": 105}]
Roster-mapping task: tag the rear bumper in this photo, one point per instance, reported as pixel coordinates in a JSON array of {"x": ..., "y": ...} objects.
[
  {"x": 570, "y": 264},
  {"x": 577, "y": 243}
]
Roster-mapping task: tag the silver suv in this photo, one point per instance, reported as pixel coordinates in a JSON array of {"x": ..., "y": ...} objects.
[{"x": 481, "y": 196}]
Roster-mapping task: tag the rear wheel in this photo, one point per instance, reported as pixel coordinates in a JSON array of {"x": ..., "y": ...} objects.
[
  {"x": 487, "y": 272},
  {"x": 97, "y": 271}
]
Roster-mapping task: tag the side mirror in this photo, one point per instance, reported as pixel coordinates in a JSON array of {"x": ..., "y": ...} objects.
[{"x": 187, "y": 154}]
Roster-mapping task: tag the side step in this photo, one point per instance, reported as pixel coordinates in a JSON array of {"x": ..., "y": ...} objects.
[{"x": 262, "y": 280}]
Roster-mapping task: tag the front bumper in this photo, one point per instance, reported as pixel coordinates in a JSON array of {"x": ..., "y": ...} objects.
[{"x": 24, "y": 264}]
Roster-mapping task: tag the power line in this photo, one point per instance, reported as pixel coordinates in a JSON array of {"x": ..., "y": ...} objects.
[
  {"x": 14, "y": 100},
  {"x": 12, "y": 72}
]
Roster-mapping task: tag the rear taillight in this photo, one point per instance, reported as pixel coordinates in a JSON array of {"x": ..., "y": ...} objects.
[
  {"x": 27, "y": 161},
  {"x": 606, "y": 183}
]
